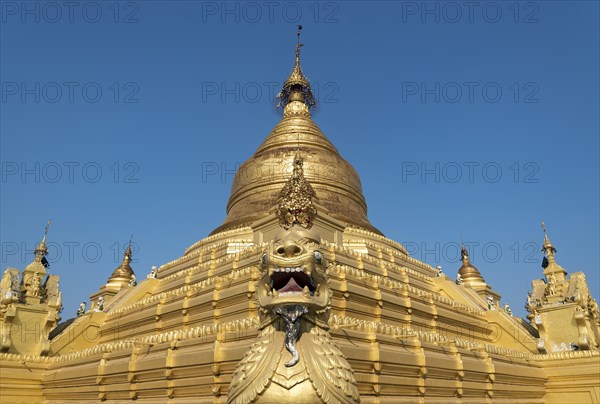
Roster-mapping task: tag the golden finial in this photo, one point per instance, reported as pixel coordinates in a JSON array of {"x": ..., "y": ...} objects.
[
  {"x": 42, "y": 249},
  {"x": 547, "y": 248},
  {"x": 294, "y": 204},
  {"x": 297, "y": 86},
  {"x": 124, "y": 271},
  {"x": 464, "y": 254},
  {"x": 298, "y": 45},
  {"x": 468, "y": 272},
  {"x": 128, "y": 250}
]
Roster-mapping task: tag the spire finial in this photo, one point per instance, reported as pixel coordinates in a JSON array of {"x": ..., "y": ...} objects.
[
  {"x": 547, "y": 248},
  {"x": 128, "y": 250},
  {"x": 41, "y": 250},
  {"x": 298, "y": 44},
  {"x": 296, "y": 88},
  {"x": 124, "y": 271},
  {"x": 467, "y": 271},
  {"x": 464, "y": 254}
]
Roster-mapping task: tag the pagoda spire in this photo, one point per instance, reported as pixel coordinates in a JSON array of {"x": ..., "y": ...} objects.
[
  {"x": 468, "y": 271},
  {"x": 42, "y": 249},
  {"x": 296, "y": 97},
  {"x": 547, "y": 248},
  {"x": 123, "y": 272},
  {"x": 552, "y": 270}
]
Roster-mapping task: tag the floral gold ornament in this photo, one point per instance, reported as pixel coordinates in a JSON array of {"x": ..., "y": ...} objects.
[{"x": 294, "y": 205}]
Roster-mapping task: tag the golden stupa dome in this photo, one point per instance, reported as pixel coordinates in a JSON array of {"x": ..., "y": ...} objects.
[
  {"x": 123, "y": 273},
  {"x": 257, "y": 183},
  {"x": 468, "y": 271}
]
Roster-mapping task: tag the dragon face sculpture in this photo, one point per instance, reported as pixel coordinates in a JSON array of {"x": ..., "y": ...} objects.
[
  {"x": 293, "y": 359},
  {"x": 293, "y": 274}
]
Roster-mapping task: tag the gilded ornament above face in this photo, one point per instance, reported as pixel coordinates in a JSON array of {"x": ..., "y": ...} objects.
[{"x": 293, "y": 272}]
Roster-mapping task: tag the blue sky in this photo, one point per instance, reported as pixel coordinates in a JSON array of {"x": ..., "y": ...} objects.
[{"x": 121, "y": 118}]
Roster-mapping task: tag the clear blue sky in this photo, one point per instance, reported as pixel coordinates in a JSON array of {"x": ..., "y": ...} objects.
[{"x": 476, "y": 122}]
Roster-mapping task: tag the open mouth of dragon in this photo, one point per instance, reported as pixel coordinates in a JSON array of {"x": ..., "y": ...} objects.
[{"x": 292, "y": 281}]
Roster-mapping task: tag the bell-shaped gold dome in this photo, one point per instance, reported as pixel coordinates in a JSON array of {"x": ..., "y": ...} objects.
[
  {"x": 468, "y": 271},
  {"x": 122, "y": 274},
  {"x": 258, "y": 181}
]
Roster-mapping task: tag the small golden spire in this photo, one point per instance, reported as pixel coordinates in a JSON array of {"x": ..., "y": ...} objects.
[
  {"x": 128, "y": 250},
  {"x": 547, "y": 248},
  {"x": 294, "y": 204},
  {"x": 124, "y": 271},
  {"x": 41, "y": 250},
  {"x": 464, "y": 254},
  {"x": 297, "y": 86},
  {"x": 468, "y": 271}
]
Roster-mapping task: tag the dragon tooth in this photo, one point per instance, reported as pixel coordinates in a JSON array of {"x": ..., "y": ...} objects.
[
  {"x": 275, "y": 293},
  {"x": 288, "y": 269},
  {"x": 268, "y": 288},
  {"x": 306, "y": 292}
]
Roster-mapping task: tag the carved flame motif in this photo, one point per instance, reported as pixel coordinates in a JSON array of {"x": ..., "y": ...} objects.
[
  {"x": 294, "y": 205},
  {"x": 293, "y": 359}
]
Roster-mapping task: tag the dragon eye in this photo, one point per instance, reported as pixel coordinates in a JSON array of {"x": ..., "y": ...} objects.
[
  {"x": 264, "y": 259},
  {"x": 318, "y": 257}
]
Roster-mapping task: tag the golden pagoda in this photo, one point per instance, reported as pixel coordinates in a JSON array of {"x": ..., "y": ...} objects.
[{"x": 298, "y": 298}]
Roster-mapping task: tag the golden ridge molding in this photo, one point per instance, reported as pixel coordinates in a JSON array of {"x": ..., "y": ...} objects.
[
  {"x": 394, "y": 284},
  {"x": 335, "y": 321},
  {"x": 357, "y": 230},
  {"x": 379, "y": 280},
  {"x": 226, "y": 233},
  {"x": 183, "y": 290}
]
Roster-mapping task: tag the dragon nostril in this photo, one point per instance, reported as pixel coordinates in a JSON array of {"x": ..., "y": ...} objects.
[
  {"x": 281, "y": 251},
  {"x": 292, "y": 250}
]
